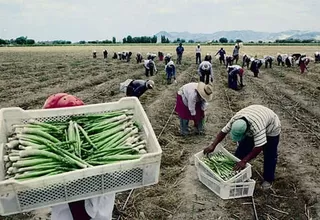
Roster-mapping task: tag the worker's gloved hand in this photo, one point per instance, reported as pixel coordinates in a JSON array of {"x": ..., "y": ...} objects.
[
  {"x": 240, "y": 165},
  {"x": 208, "y": 150},
  {"x": 175, "y": 81}
]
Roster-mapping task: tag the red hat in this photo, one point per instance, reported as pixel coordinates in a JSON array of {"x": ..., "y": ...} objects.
[
  {"x": 241, "y": 71},
  {"x": 62, "y": 100}
]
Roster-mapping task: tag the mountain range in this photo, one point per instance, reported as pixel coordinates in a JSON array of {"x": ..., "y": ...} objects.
[{"x": 244, "y": 35}]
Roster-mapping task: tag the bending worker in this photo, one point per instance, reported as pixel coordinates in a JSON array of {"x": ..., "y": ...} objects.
[
  {"x": 256, "y": 128},
  {"x": 205, "y": 72},
  {"x": 233, "y": 72},
  {"x": 192, "y": 102}
]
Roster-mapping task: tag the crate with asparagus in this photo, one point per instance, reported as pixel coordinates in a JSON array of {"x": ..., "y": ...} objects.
[
  {"x": 61, "y": 155},
  {"x": 219, "y": 166}
]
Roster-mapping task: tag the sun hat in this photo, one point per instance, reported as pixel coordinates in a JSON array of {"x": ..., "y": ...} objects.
[
  {"x": 238, "y": 130},
  {"x": 205, "y": 91},
  {"x": 150, "y": 83}
]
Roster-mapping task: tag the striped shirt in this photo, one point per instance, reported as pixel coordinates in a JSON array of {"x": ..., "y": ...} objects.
[{"x": 262, "y": 121}]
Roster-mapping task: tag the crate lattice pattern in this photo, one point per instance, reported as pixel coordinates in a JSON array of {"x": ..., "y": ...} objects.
[{"x": 89, "y": 185}]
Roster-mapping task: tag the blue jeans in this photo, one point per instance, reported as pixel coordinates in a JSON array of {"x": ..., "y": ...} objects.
[
  {"x": 270, "y": 154},
  {"x": 185, "y": 123},
  {"x": 233, "y": 81}
]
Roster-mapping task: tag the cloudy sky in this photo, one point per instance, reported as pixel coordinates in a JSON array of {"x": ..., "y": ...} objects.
[{"x": 101, "y": 19}]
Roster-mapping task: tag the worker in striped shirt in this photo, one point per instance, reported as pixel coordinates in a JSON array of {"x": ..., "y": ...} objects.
[{"x": 256, "y": 128}]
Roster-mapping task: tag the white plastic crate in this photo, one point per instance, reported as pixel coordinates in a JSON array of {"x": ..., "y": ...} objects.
[
  {"x": 228, "y": 190},
  {"x": 16, "y": 197},
  {"x": 242, "y": 176}
]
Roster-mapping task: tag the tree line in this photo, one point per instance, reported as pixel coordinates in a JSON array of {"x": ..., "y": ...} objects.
[{"x": 24, "y": 40}]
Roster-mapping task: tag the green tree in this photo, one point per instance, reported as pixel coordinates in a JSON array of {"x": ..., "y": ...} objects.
[
  {"x": 238, "y": 40},
  {"x": 114, "y": 40},
  {"x": 231, "y": 41},
  {"x": 223, "y": 40},
  {"x": 21, "y": 40},
  {"x": 124, "y": 40},
  {"x": 30, "y": 42},
  {"x": 129, "y": 39},
  {"x": 154, "y": 39},
  {"x": 191, "y": 41},
  {"x": 3, "y": 42}
]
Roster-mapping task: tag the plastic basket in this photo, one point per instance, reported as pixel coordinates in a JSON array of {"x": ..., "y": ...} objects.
[
  {"x": 242, "y": 176},
  {"x": 228, "y": 190},
  {"x": 16, "y": 197}
]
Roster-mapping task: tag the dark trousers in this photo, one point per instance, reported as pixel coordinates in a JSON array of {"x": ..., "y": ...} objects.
[
  {"x": 198, "y": 58},
  {"x": 205, "y": 76},
  {"x": 149, "y": 71},
  {"x": 270, "y": 154},
  {"x": 179, "y": 59},
  {"x": 233, "y": 81},
  {"x": 221, "y": 59},
  {"x": 268, "y": 62}
]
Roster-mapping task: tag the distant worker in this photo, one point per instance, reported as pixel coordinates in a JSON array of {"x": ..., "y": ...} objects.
[
  {"x": 268, "y": 61},
  {"x": 94, "y": 54},
  {"x": 289, "y": 61},
  {"x": 229, "y": 61},
  {"x": 160, "y": 55},
  {"x": 303, "y": 63},
  {"x": 170, "y": 72},
  {"x": 222, "y": 54},
  {"x": 150, "y": 67},
  {"x": 208, "y": 58},
  {"x": 317, "y": 57},
  {"x": 233, "y": 73},
  {"x": 235, "y": 53},
  {"x": 139, "y": 57},
  {"x": 246, "y": 61},
  {"x": 167, "y": 58},
  {"x": 136, "y": 87},
  {"x": 255, "y": 66},
  {"x": 105, "y": 54},
  {"x": 198, "y": 54},
  {"x": 205, "y": 72},
  {"x": 179, "y": 51}
]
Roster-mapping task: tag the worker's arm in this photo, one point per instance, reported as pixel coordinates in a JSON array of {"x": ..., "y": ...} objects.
[
  {"x": 221, "y": 135},
  {"x": 211, "y": 74},
  {"x": 253, "y": 154}
]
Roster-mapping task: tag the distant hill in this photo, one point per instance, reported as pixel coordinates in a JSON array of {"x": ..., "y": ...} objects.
[{"x": 244, "y": 35}]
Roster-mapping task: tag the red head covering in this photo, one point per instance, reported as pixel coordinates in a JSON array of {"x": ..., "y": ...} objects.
[
  {"x": 62, "y": 100},
  {"x": 241, "y": 71}
]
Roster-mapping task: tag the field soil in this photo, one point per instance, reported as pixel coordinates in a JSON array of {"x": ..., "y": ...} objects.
[{"x": 30, "y": 75}]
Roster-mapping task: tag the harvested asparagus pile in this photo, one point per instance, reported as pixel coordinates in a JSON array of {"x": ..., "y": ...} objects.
[
  {"x": 222, "y": 165},
  {"x": 41, "y": 149}
]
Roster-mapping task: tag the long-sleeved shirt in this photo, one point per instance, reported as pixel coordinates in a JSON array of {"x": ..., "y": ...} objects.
[
  {"x": 221, "y": 53},
  {"x": 262, "y": 122},
  {"x": 171, "y": 71},
  {"x": 200, "y": 69},
  {"x": 139, "y": 87},
  {"x": 147, "y": 64},
  {"x": 235, "y": 51},
  {"x": 190, "y": 97},
  {"x": 235, "y": 69},
  {"x": 179, "y": 50},
  {"x": 198, "y": 50}
]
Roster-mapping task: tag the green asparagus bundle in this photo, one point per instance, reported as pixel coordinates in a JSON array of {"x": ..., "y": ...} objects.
[
  {"x": 38, "y": 149},
  {"x": 222, "y": 165}
]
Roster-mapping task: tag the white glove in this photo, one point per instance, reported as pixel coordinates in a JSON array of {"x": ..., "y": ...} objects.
[{"x": 175, "y": 81}]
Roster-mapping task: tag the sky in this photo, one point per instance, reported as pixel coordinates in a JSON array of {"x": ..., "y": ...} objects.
[{"x": 77, "y": 20}]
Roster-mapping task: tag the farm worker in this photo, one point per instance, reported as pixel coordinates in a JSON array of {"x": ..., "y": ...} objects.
[
  {"x": 179, "y": 51},
  {"x": 235, "y": 53},
  {"x": 139, "y": 57},
  {"x": 208, "y": 57},
  {"x": 233, "y": 73},
  {"x": 160, "y": 55},
  {"x": 136, "y": 87},
  {"x": 170, "y": 72},
  {"x": 192, "y": 102},
  {"x": 317, "y": 56},
  {"x": 303, "y": 63},
  {"x": 205, "y": 72},
  {"x": 221, "y": 53},
  {"x": 198, "y": 54},
  {"x": 268, "y": 60},
  {"x": 120, "y": 55},
  {"x": 255, "y": 66},
  {"x": 256, "y": 128},
  {"x": 100, "y": 207},
  {"x": 94, "y": 54},
  {"x": 105, "y": 54},
  {"x": 229, "y": 61},
  {"x": 246, "y": 61},
  {"x": 150, "y": 67},
  {"x": 289, "y": 61},
  {"x": 167, "y": 58},
  {"x": 115, "y": 55}
]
